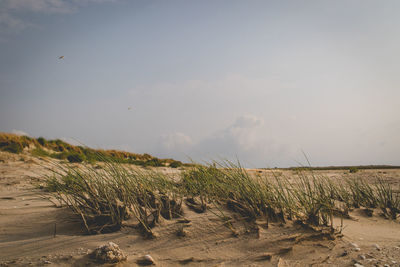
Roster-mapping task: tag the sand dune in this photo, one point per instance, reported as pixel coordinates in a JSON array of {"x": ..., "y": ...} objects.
[{"x": 35, "y": 232}]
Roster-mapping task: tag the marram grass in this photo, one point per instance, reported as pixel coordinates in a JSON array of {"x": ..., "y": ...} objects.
[{"x": 104, "y": 198}]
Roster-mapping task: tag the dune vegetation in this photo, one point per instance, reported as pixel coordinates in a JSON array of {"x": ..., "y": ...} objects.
[
  {"x": 62, "y": 150},
  {"x": 103, "y": 198}
]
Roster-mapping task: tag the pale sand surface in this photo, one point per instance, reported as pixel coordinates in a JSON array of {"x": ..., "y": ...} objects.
[{"x": 27, "y": 224}]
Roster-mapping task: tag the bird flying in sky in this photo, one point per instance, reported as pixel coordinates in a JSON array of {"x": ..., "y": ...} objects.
[{"x": 62, "y": 57}]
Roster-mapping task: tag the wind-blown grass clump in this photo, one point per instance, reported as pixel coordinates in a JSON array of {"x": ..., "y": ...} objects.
[
  {"x": 361, "y": 194},
  {"x": 226, "y": 185},
  {"x": 357, "y": 193},
  {"x": 255, "y": 197},
  {"x": 105, "y": 197},
  {"x": 310, "y": 199},
  {"x": 388, "y": 199},
  {"x": 313, "y": 202}
]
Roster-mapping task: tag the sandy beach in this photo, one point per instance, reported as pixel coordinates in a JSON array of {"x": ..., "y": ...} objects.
[{"x": 35, "y": 232}]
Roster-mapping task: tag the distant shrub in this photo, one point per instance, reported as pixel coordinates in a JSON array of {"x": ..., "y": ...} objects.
[
  {"x": 137, "y": 162},
  {"x": 146, "y": 156},
  {"x": 75, "y": 157},
  {"x": 58, "y": 142},
  {"x": 12, "y": 147},
  {"x": 154, "y": 162},
  {"x": 353, "y": 170},
  {"x": 62, "y": 155},
  {"x": 41, "y": 141},
  {"x": 25, "y": 141},
  {"x": 175, "y": 164},
  {"x": 149, "y": 164},
  {"x": 58, "y": 145},
  {"x": 40, "y": 152},
  {"x": 300, "y": 169}
]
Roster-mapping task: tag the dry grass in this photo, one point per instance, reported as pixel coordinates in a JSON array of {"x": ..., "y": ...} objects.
[{"x": 104, "y": 198}]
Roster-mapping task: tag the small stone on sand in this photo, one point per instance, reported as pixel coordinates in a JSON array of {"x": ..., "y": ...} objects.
[
  {"x": 108, "y": 253},
  {"x": 146, "y": 260}
]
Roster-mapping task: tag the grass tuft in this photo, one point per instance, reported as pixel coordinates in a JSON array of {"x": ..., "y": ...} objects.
[{"x": 105, "y": 197}]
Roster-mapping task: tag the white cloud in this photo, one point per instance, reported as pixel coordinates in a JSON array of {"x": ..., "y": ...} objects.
[
  {"x": 247, "y": 121},
  {"x": 173, "y": 145},
  {"x": 12, "y": 24},
  {"x": 243, "y": 135},
  {"x": 175, "y": 141},
  {"x": 19, "y": 132},
  {"x": 247, "y": 138}
]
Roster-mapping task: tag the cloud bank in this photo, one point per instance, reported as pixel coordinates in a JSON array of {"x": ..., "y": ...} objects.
[
  {"x": 246, "y": 139},
  {"x": 19, "y": 132}
]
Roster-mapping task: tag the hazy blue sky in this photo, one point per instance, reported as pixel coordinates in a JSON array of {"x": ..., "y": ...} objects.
[{"x": 260, "y": 80}]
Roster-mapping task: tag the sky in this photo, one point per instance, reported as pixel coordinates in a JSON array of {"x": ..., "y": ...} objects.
[{"x": 258, "y": 81}]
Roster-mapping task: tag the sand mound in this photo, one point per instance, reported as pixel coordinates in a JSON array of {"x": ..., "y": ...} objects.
[{"x": 34, "y": 232}]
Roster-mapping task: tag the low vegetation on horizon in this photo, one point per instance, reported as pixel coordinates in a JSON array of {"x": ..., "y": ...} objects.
[{"x": 62, "y": 150}]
